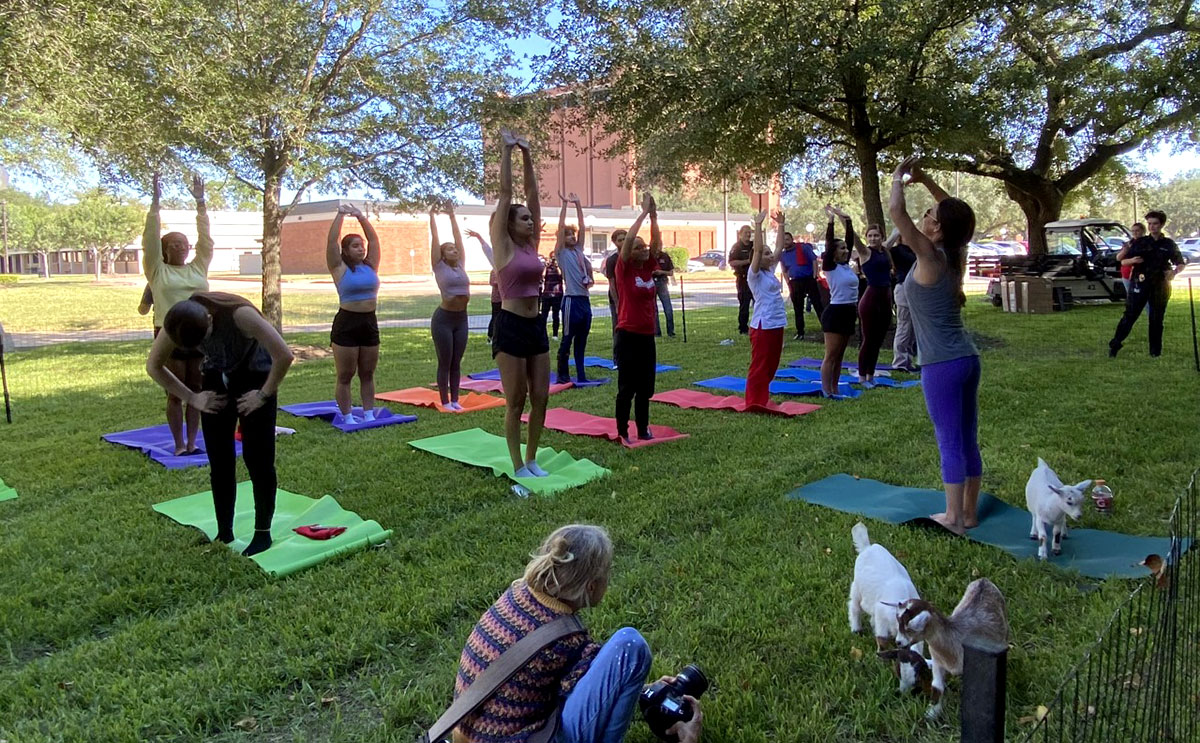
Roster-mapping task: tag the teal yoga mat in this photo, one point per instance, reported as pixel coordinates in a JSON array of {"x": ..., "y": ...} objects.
[
  {"x": 1093, "y": 552},
  {"x": 289, "y": 551},
  {"x": 6, "y": 493},
  {"x": 482, "y": 449}
]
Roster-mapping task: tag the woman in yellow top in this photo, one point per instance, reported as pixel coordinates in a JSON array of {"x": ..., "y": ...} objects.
[{"x": 173, "y": 279}]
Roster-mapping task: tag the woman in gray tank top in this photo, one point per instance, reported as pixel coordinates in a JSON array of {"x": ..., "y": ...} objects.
[{"x": 950, "y": 369}]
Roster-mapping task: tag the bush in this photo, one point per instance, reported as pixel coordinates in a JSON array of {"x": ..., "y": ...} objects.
[{"x": 679, "y": 256}]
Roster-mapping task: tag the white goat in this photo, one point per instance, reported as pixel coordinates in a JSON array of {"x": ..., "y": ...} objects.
[
  {"x": 979, "y": 619},
  {"x": 1050, "y": 503},
  {"x": 880, "y": 584}
]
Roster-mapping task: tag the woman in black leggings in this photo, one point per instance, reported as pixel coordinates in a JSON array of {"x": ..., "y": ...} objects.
[{"x": 245, "y": 359}]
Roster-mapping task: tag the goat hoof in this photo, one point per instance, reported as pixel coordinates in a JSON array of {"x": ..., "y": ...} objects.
[
  {"x": 1033, "y": 537},
  {"x": 1057, "y": 551}
]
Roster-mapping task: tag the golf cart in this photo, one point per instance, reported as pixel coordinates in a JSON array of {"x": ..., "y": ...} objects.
[{"x": 1079, "y": 264}]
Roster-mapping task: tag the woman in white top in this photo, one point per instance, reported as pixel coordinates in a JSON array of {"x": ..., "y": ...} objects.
[
  {"x": 770, "y": 316},
  {"x": 837, "y": 321}
]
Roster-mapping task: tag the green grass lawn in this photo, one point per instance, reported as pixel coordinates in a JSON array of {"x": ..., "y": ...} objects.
[{"x": 120, "y": 625}]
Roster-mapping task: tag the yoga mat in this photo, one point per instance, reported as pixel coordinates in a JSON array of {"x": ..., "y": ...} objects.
[
  {"x": 431, "y": 398},
  {"x": 803, "y": 387},
  {"x": 815, "y": 374},
  {"x": 585, "y": 424},
  {"x": 328, "y": 410},
  {"x": 1093, "y": 552},
  {"x": 494, "y": 385},
  {"x": 479, "y": 448},
  {"x": 596, "y": 382},
  {"x": 686, "y": 398},
  {"x": 808, "y": 361},
  {"x": 289, "y": 552},
  {"x": 604, "y": 363},
  {"x": 6, "y": 493},
  {"x": 156, "y": 443}
]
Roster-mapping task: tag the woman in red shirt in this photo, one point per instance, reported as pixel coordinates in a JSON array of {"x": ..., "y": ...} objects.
[{"x": 633, "y": 341}]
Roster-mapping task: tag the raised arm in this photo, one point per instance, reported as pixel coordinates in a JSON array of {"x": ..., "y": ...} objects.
[
  {"x": 483, "y": 245},
  {"x": 560, "y": 236},
  {"x": 458, "y": 240},
  {"x": 829, "y": 234},
  {"x": 435, "y": 245},
  {"x": 580, "y": 229},
  {"x": 501, "y": 245},
  {"x": 632, "y": 233},
  {"x": 757, "y": 251},
  {"x": 533, "y": 199},
  {"x": 374, "y": 251},
  {"x": 779, "y": 224},
  {"x": 204, "y": 241},
  {"x": 655, "y": 233},
  {"x": 333, "y": 248},
  {"x": 919, "y": 175},
  {"x": 151, "y": 235},
  {"x": 898, "y": 211}
]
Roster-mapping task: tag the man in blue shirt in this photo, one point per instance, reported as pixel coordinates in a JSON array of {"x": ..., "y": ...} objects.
[{"x": 800, "y": 262}]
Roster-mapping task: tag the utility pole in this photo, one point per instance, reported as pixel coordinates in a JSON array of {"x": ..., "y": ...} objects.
[{"x": 725, "y": 216}]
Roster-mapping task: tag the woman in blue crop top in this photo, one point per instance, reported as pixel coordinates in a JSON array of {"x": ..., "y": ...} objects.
[
  {"x": 449, "y": 323},
  {"x": 519, "y": 343},
  {"x": 355, "y": 336},
  {"x": 875, "y": 306}
]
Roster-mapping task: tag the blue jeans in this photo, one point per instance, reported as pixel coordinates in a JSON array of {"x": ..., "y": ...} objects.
[
  {"x": 600, "y": 707},
  {"x": 663, "y": 289}
]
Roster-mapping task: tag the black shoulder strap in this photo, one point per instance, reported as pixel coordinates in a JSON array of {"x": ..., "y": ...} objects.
[{"x": 499, "y": 671}]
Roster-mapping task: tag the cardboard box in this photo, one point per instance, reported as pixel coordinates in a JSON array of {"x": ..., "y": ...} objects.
[
  {"x": 1037, "y": 296},
  {"x": 1010, "y": 293}
]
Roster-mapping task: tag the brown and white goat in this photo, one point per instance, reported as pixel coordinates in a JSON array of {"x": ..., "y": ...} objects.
[{"x": 979, "y": 619}]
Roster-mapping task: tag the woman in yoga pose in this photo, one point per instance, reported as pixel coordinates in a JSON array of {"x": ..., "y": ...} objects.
[
  {"x": 837, "y": 320},
  {"x": 875, "y": 306},
  {"x": 353, "y": 263},
  {"x": 171, "y": 279},
  {"x": 244, "y": 361},
  {"x": 449, "y": 323},
  {"x": 519, "y": 342},
  {"x": 769, "y": 317},
  {"x": 634, "y": 351},
  {"x": 950, "y": 369}
]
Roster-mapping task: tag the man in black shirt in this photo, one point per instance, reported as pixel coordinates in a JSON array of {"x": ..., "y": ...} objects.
[
  {"x": 610, "y": 272},
  {"x": 1155, "y": 259},
  {"x": 739, "y": 261},
  {"x": 662, "y": 281}
]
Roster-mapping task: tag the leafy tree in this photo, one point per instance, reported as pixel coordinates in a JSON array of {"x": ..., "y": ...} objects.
[
  {"x": 102, "y": 224},
  {"x": 35, "y": 225},
  {"x": 1180, "y": 199}
]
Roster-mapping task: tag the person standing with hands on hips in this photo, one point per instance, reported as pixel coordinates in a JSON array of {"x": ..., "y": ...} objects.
[
  {"x": 577, "y": 282},
  {"x": 1155, "y": 259}
]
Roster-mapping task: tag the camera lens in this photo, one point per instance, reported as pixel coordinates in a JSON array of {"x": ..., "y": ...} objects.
[{"x": 691, "y": 681}]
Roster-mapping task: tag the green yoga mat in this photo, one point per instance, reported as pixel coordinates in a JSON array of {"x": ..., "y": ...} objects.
[
  {"x": 6, "y": 493},
  {"x": 1093, "y": 552},
  {"x": 289, "y": 551},
  {"x": 482, "y": 449}
]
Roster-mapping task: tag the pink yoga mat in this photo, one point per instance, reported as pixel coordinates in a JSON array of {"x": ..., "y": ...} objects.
[
  {"x": 494, "y": 385},
  {"x": 686, "y": 398},
  {"x": 585, "y": 424}
]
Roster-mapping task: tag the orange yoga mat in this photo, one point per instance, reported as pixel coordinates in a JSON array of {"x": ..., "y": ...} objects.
[
  {"x": 685, "y": 398},
  {"x": 585, "y": 424},
  {"x": 494, "y": 385},
  {"x": 430, "y": 398}
]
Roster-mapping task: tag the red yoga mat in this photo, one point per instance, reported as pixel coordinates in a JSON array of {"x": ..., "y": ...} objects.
[
  {"x": 686, "y": 398},
  {"x": 585, "y": 424},
  {"x": 430, "y": 398},
  {"x": 494, "y": 385}
]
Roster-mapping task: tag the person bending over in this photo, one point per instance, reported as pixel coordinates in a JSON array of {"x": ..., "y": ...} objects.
[
  {"x": 633, "y": 346},
  {"x": 1155, "y": 259},
  {"x": 172, "y": 279},
  {"x": 950, "y": 369},
  {"x": 244, "y": 361},
  {"x": 449, "y": 324},
  {"x": 837, "y": 321},
  {"x": 875, "y": 306},
  {"x": 770, "y": 316},
  {"x": 352, "y": 263},
  {"x": 577, "y": 283},
  {"x": 590, "y": 690},
  {"x": 520, "y": 345}
]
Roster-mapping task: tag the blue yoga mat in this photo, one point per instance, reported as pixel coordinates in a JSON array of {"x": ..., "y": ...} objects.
[
  {"x": 1093, "y": 552},
  {"x": 804, "y": 387},
  {"x": 809, "y": 361},
  {"x": 594, "y": 382},
  {"x": 604, "y": 363},
  {"x": 811, "y": 374},
  {"x": 328, "y": 410},
  {"x": 157, "y": 443}
]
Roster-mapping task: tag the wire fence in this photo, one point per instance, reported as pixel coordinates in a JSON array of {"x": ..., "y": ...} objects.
[{"x": 1140, "y": 680}]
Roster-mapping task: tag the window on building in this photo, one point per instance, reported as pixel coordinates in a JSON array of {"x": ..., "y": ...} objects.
[{"x": 599, "y": 242}]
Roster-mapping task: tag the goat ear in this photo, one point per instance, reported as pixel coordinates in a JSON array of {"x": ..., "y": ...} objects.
[
  {"x": 1055, "y": 489},
  {"x": 917, "y": 623},
  {"x": 1083, "y": 486}
]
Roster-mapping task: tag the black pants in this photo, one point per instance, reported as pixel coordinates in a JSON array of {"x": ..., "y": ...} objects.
[
  {"x": 635, "y": 356},
  {"x": 258, "y": 449},
  {"x": 492, "y": 320},
  {"x": 550, "y": 307},
  {"x": 803, "y": 289},
  {"x": 612, "y": 311},
  {"x": 1156, "y": 294},
  {"x": 744, "y": 296}
]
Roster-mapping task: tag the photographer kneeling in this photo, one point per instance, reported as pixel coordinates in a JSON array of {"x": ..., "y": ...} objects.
[{"x": 530, "y": 672}]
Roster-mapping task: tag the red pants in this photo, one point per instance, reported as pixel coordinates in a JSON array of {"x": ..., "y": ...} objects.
[{"x": 765, "y": 349}]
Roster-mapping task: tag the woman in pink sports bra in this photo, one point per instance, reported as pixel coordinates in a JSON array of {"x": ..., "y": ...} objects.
[{"x": 519, "y": 342}]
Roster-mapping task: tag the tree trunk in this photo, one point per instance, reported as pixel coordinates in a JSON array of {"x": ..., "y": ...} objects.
[
  {"x": 96, "y": 262},
  {"x": 1041, "y": 203},
  {"x": 868, "y": 169},
  {"x": 272, "y": 290},
  {"x": 45, "y": 265}
]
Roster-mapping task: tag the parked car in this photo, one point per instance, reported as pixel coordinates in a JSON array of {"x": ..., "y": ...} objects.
[
  {"x": 1190, "y": 248},
  {"x": 713, "y": 259},
  {"x": 982, "y": 250},
  {"x": 597, "y": 261},
  {"x": 694, "y": 265}
]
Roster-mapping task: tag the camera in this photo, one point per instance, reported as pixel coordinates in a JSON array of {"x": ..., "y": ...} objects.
[{"x": 663, "y": 705}]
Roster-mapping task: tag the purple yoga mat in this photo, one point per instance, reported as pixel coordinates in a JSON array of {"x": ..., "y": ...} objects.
[
  {"x": 328, "y": 410},
  {"x": 156, "y": 442}
]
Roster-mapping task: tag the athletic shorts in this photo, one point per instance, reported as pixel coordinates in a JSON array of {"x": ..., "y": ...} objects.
[
  {"x": 351, "y": 329},
  {"x": 523, "y": 337},
  {"x": 182, "y": 354},
  {"x": 839, "y": 318}
]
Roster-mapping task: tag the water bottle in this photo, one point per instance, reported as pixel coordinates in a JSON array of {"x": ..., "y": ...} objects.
[{"x": 1102, "y": 496}]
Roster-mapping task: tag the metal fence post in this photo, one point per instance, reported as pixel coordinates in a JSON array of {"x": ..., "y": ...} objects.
[
  {"x": 683, "y": 308},
  {"x": 984, "y": 681}
]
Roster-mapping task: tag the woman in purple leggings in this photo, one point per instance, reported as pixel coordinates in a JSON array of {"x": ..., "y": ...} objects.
[{"x": 949, "y": 361}]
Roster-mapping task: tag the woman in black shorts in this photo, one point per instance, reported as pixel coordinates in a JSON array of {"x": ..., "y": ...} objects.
[
  {"x": 838, "y": 319},
  {"x": 355, "y": 336}
]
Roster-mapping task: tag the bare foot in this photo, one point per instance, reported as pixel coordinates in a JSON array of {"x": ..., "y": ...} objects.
[
  {"x": 180, "y": 451},
  {"x": 948, "y": 523},
  {"x": 971, "y": 523}
]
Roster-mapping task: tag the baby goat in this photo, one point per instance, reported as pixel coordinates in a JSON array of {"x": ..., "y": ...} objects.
[
  {"x": 1050, "y": 503},
  {"x": 979, "y": 619},
  {"x": 880, "y": 584}
]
